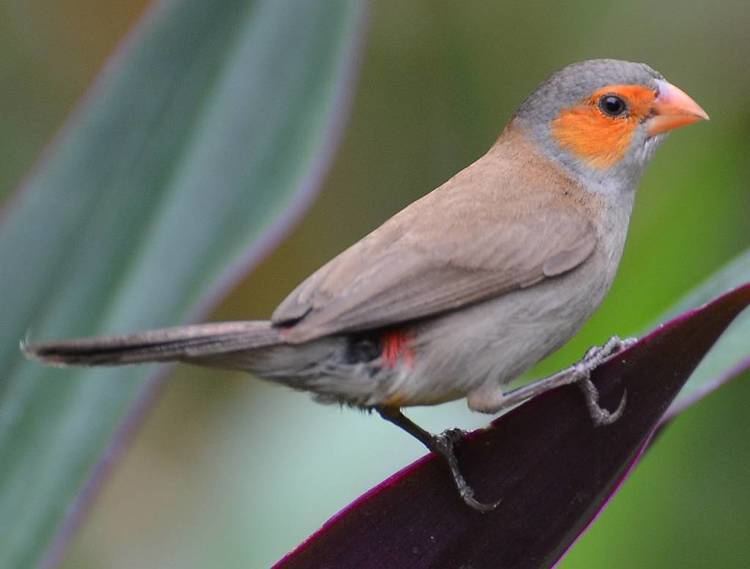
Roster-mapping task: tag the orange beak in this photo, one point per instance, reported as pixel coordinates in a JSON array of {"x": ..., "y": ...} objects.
[{"x": 672, "y": 109}]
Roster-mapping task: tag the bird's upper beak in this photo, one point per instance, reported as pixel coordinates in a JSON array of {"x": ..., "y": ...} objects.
[{"x": 672, "y": 109}]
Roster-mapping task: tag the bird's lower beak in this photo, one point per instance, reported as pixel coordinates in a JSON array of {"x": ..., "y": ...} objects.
[{"x": 672, "y": 109}]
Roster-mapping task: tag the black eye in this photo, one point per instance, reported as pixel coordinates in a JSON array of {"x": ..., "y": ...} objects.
[{"x": 612, "y": 105}]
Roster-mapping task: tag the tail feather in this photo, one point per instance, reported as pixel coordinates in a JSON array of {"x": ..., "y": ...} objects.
[{"x": 201, "y": 343}]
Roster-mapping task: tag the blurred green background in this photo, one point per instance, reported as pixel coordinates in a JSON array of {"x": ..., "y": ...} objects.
[{"x": 231, "y": 472}]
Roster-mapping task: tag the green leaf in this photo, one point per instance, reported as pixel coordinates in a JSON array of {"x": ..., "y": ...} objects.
[
  {"x": 731, "y": 355},
  {"x": 201, "y": 142}
]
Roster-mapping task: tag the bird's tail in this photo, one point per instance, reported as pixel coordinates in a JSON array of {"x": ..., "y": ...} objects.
[{"x": 219, "y": 344}]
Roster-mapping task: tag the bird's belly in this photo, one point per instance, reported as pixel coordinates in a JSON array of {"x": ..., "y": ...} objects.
[{"x": 497, "y": 340}]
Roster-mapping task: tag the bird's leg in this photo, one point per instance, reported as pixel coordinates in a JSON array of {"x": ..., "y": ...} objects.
[
  {"x": 579, "y": 373},
  {"x": 441, "y": 444}
]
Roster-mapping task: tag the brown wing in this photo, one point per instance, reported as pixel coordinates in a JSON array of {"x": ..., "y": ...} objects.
[{"x": 474, "y": 238}]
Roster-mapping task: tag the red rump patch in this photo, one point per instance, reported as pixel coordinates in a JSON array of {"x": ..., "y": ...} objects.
[{"x": 396, "y": 346}]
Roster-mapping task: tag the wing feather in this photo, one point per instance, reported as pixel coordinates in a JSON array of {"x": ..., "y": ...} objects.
[{"x": 478, "y": 236}]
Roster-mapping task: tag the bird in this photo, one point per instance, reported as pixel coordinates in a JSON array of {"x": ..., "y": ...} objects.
[{"x": 469, "y": 286}]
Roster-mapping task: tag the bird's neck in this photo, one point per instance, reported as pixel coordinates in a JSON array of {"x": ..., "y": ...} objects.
[
  {"x": 608, "y": 201},
  {"x": 617, "y": 182}
]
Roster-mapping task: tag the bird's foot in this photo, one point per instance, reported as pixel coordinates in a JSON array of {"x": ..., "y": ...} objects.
[
  {"x": 582, "y": 372},
  {"x": 579, "y": 373},
  {"x": 595, "y": 355},
  {"x": 451, "y": 436},
  {"x": 444, "y": 445}
]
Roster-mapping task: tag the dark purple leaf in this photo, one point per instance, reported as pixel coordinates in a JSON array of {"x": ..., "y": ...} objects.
[{"x": 552, "y": 468}]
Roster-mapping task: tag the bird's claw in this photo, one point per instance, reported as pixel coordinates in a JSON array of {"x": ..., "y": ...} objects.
[
  {"x": 597, "y": 354},
  {"x": 599, "y": 415},
  {"x": 451, "y": 437},
  {"x": 467, "y": 495},
  {"x": 444, "y": 444},
  {"x": 591, "y": 360}
]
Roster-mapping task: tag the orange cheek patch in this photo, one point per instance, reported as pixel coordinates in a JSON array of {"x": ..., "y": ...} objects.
[
  {"x": 596, "y": 138},
  {"x": 587, "y": 133}
]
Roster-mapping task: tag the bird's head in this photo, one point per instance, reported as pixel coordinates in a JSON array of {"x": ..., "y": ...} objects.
[{"x": 603, "y": 118}]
